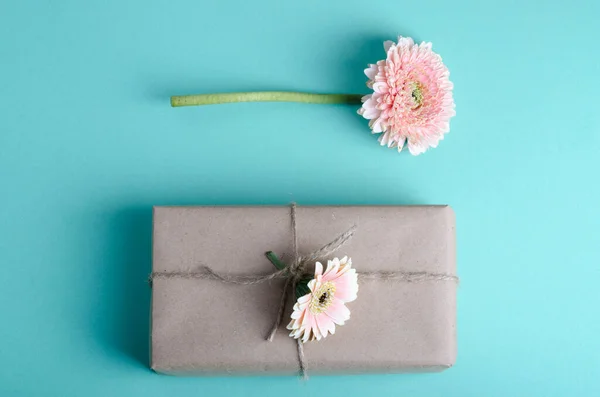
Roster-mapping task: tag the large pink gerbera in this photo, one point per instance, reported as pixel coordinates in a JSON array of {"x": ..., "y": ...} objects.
[
  {"x": 412, "y": 100},
  {"x": 316, "y": 313}
]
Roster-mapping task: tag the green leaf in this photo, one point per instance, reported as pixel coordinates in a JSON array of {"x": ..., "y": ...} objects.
[{"x": 302, "y": 287}]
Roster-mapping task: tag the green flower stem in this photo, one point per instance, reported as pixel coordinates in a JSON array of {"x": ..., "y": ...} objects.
[
  {"x": 275, "y": 260},
  {"x": 267, "y": 96}
]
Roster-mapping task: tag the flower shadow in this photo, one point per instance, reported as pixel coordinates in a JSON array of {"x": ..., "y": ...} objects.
[{"x": 353, "y": 60}]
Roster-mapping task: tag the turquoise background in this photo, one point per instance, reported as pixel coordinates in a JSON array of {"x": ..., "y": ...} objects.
[{"x": 89, "y": 143}]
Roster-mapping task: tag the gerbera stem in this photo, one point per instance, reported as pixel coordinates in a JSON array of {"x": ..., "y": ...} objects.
[
  {"x": 266, "y": 96},
  {"x": 275, "y": 260}
]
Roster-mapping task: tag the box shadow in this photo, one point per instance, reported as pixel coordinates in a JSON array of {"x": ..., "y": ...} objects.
[{"x": 130, "y": 242}]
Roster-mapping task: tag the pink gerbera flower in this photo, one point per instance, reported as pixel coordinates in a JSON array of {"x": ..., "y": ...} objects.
[
  {"x": 316, "y": 313},
  {"x": 412, "y": 100}
]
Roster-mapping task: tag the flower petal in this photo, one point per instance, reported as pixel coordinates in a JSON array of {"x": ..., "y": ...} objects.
[
  {"x": 336, "y": 271},
  {"x": 318, "y": 269},
  {"x": 338, "y": 312},
  {"x": 291, "y": 325},
  {"x": 405, "y": 42},
  {"x": 325, "y": 325},
  {"x": 371, "y": 71},
  {"x": 401, "y": 142},
  {"x": 316, "y": 330},
  {"x": 380, "y": 87},
  {"x": 346, "y": 286},
  {"x": 385, "y": 138},
  {"x": 370, "y": 113},
  {"x": 313, "y": 285},
  {"x": 417, "y": 147},
  {"x": 376, "y": 127},
  {"x": 331, "y": 269},
  {"x": 388, "y": 44}
]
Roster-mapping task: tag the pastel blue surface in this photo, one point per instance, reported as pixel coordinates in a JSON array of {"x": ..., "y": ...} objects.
[{"x": 89, "y": 143}]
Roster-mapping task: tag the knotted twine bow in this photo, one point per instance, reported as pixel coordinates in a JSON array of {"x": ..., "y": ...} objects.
[{"x": 294, "y": 272}]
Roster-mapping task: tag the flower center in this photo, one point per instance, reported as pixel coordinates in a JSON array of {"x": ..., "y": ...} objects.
[
  {"x": 417, "y": 95},
  {"x": 323, "y": 298}
]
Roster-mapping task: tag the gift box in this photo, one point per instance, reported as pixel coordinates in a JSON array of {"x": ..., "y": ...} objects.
[{"x": 203, "y": 326}]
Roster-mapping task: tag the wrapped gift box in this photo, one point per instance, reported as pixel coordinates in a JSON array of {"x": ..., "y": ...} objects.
[{"x": 202, "y": 327}]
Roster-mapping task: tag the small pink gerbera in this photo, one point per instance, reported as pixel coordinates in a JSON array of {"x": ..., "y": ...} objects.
[
  {"x": 412, "y": 100},
  {"x": 316, "y": 313}
]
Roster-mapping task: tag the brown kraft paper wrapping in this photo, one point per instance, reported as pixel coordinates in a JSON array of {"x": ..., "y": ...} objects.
[{"x": 205, "y": 327}]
